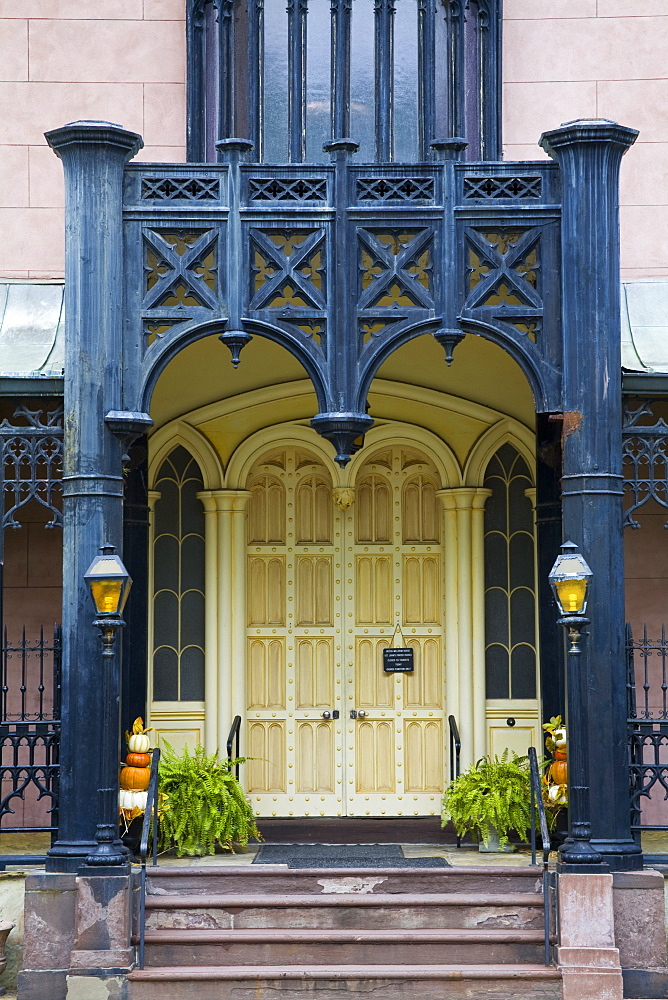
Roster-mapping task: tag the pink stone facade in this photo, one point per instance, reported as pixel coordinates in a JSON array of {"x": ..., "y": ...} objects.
[
  {"x": 598, "y": 59},
  {"x": 125, "y": 62},
  {"x": 63, "y": 60}
]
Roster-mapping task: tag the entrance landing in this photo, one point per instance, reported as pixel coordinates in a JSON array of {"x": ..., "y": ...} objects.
[{"x": 343, "y": 856}]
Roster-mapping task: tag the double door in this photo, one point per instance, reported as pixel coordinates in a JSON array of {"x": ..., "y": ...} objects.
[{"x": 334, "y": 578}]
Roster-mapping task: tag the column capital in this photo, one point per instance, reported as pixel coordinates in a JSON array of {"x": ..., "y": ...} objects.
[
  {"x": 106, "y": 135},
  {"x": 587, "y": 131},
  {"x": 464, "y": 497},
  {"x": 224, "y": 501}
]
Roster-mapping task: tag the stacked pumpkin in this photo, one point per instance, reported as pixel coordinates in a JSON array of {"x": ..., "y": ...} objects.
[
  {"x": 556, "y": 776},
  {"x": 135, "y": 773}
]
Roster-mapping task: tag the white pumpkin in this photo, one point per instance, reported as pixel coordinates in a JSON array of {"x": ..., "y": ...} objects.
[
  {"x": 130, "y": 799},
  {"x": 559, "y": 737},
  {"x": 139, "y": 743}
]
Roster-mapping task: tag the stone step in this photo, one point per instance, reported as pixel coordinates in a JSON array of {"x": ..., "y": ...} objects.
[
  {"x": 273, "y": 946},
  {"x": 265, "y": 879},
  {"x": 388, "y": 982},
  {"x": 376, "y": 910}
]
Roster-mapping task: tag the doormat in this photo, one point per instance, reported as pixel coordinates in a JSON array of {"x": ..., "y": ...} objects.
[{"x": 342, "y": 856}]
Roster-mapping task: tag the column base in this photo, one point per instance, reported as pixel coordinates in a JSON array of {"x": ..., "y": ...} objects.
[
  {"x": 620, "y": 855},
  {"x": 68, "y": 856}
]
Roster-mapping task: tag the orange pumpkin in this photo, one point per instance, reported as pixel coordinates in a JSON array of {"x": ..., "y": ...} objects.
[
  {"x": 138, "y": 759},
  {"x": 559, "y": 772},
  {"x": 560, "y": 755},
  {"x": 135, "y": 778}
]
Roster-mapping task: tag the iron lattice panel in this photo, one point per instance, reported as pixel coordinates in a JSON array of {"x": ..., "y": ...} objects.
[{"x": 31, "y": 463}]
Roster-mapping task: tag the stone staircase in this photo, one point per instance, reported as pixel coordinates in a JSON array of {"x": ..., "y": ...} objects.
[{"x": 259, "y": 933}]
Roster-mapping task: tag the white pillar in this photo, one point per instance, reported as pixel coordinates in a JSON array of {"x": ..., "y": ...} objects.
[
  {"x": 451, "y": 609},
  {"x": 208, "y": 498},
  {"x": 478, "y": 501},
  {"x": 465, "y": 598},
  {"x": 239, "y": 615}
]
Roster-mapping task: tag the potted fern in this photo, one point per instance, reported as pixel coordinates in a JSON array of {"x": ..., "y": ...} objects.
[
  {"x": 204, "y": 806},
  {"x": 490, "y": 800}
]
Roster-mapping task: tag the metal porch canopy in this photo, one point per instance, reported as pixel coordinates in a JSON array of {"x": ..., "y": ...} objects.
[{"x": 341, "y": 265}]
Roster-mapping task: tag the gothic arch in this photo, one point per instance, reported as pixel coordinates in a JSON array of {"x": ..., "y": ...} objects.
[
  {"x": 507, "y": 430},
  {"x": 411, "y": 436},
  {"x": 295, "y": 433},
  {"x": 179, "y": 432}
]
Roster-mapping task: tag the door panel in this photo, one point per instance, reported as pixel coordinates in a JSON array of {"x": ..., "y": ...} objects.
[
  {"x": 373, "y": 566},
  {"x": 395, "y": 764}
]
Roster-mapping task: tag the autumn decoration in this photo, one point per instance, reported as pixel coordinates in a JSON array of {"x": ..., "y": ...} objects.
[{"x": 135, "y": 773}]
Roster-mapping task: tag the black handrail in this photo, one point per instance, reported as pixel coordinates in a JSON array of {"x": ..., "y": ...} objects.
[
  {"x": 455, "y": 755},
  {"x": 538, "y": 803},
  {"x": 150, "y": 815},
  {"x": 234, "y": 735}
]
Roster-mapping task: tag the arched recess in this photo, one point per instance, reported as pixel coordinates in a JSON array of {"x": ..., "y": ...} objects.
[
  {"x": 256, "y": 444},
  {"x": 179, "y": 432},
  {"x": 411, "y": 436},
  {"x": 161, "y": 353}
]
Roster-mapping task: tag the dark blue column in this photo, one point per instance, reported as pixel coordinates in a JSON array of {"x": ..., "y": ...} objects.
[
  {"x": 589, "y": 154},
  {"x": 94, "y": 155}
]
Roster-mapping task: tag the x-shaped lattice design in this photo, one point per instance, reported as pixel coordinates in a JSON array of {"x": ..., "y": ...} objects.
[
  {"x": 177, "y": 273},
  {"x": 287, "y": 189},
  {"x": 502, "y": 278},
  {"x": 290, "y": 273},
  {"x": 399, "y": 266},
  {"x": 395, "y": 188},
  {"x": 180, "y": 188},
  {"x": 502, "y": 187}
]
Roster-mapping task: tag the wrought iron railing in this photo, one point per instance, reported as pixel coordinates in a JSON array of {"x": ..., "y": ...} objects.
[
  {"x": 233, "y": 742},
  {"x": 149, "y": 830},
  {"x": 30, "y": 674},
  {"x": 455, "y": 755},
  {"x": 647, "y": 732},
  {"x": 538, "y": 807}
]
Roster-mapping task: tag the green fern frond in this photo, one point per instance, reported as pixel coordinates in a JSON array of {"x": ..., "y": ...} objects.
[
  {"x": 207, "y": 805},
  {"x": 494, "y": 792}
]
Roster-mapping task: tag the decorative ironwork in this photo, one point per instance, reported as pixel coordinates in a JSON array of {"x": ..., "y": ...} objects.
[
  {"x": 496, "y": 188},
  {"x": 30, "y": 728},
  {"x": 31, "y": 463},
  {"x": 503, "y": 269},
  {"x": 180, "y": 188},
  {"x": 647, "y": 672},
  {"x": 410, "y": 189},
  {"x": 395, "y": 268},
  {"x": 288, "y": 268},
  {"x": 181, "y": 269},
  {"x": 644, "y": 459},
  {"x": 281, "y": 189}
]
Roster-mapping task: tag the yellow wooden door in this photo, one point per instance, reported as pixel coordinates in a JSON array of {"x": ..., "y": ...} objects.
[
  {"x": 395, "y": 739},
  {"x": 317, "y": 574},
  {"x": 293, "y": 663}
]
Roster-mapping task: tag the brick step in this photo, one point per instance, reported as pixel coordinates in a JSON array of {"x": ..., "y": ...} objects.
[
  {"x": 272, "y": 946},
  {"x": 387, "y": 982},
  {"x": 375, "y": 910},
  {"x": 264, "y": 879}
]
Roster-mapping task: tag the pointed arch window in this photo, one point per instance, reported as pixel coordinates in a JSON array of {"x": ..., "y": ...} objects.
[
  {"x": 394, "y": 75},
  {"x": 178, "y": 581},
  {"x": 510, "y": 597}
]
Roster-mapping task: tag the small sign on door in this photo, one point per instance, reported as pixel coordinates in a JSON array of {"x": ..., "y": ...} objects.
[{"x": 398, "y": 660}]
